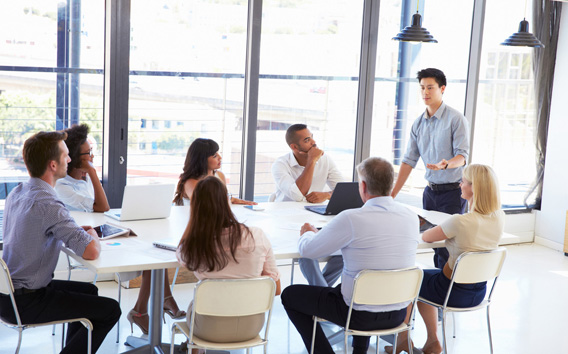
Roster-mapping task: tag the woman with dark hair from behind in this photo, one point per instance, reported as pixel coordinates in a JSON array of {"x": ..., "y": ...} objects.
[
  {"x": 216, "y": 245},
  {"x": 203, "y": 159}
]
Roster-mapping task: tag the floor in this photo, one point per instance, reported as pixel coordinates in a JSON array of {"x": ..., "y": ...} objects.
[{"x": 528, "y": 314}]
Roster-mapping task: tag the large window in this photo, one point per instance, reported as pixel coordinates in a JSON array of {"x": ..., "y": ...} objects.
[
  {"x": 187, "y": 64},
  {"x": 309, "y": 66},
  {"x": 505, "y": 119}
]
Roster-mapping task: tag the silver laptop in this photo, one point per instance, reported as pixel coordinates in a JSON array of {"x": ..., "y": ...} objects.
[
  {"x": 170, "y": 244},
  {"x": 141, "y": 202}
]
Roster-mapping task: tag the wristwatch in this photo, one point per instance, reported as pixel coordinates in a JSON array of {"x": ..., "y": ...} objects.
[{"x": 447, "y": 164}]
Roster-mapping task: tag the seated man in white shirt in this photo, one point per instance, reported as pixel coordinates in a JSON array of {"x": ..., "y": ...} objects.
[
  {"x": 380, "y": 235},
  {"x": 303, "y": 174}
]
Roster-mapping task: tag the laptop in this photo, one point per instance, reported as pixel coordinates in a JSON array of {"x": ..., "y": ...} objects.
[
  {"x": 170, "y": 244},
  {"x": 147, "y": 201},
  {"x": 345, "y": 196}
]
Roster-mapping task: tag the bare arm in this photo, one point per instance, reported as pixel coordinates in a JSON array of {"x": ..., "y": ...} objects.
[
  {"x": 403, "y": 174},
  {"x": 101, "y": 203},
  {"x": 234, "y": 200},
  {"x": 454, "y": 162},
  {"x": 434, "y": 234},
  {"x": 93, "y": 249},
  {"x": 188, "y": 187}
]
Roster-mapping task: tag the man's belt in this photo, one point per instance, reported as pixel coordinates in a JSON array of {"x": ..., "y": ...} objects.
[
  {"x": 23, "y": 291},
  {"x": 444, "y": 187}
]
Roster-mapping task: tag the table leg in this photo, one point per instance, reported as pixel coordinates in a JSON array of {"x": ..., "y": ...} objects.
[{"x": 154, "y": 342}]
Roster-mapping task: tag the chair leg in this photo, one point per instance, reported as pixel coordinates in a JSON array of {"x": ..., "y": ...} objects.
[
  {"x": 292, "y": 271},
  {"x": 445, "y": 348},
  {"x": 119, "y": 297},
  {"x": 394, "y": 342},
  {"x": 62, "y": 336},
  {"x": 19, "y": 340},
  {"x": 410, "y": 346},
  {"x": 175, "y": 277},
  {"x": 378, "y": 344},
  {"x": 314, "y": 336},
  {"x": 345, "y": 342},
  {"x": 489, "y": 331},
  {"x": 172, "y": 343},
  {"x": 454, "y": 323},
  {"x": 89, "y": 340}
]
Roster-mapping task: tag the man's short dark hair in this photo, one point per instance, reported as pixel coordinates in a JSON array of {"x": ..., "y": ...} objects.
[
  {"x": 41, "y": 148},
  {"x": 436, "y": 74},
  {"x": 291, "y": 137},
  {"x": 378, "y": 174},
  {"x": 76, "y": 136}
]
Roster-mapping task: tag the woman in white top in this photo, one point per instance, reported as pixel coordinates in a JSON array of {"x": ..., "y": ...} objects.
[
  {"x": 202, "y": 160},
  {"x": 216, "y": 245},
  {"x": 479, "y": 230}
]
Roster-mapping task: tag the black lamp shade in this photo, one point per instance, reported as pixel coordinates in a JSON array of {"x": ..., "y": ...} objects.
[
  {"x": 415, "y": 32},
  {"x": 523, "y": 38}
]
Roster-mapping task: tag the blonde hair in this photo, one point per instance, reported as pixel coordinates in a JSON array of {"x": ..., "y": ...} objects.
[{"x": 485, "y": 188}]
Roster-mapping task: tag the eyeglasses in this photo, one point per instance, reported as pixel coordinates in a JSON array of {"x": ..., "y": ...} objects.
[{"x": 87, "y": 153}]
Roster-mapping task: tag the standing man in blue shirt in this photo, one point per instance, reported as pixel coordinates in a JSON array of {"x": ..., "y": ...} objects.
[
  {"x": 441, "y": 137},
  {"x": 36, "y": 226},
  {"x": 382, "y": 234}
]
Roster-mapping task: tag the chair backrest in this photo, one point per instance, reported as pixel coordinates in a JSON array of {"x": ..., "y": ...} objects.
[
  {"x": 476, "y": 267},
  {"x": 383, "y": 287},
  {"x": 6, "y": 286},
  {"x": 234, "y": 297}
]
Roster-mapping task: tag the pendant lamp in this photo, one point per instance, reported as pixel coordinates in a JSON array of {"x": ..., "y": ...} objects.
[
  {"x": 415, "y": 32},
  {"x": 523, "y": 38}
]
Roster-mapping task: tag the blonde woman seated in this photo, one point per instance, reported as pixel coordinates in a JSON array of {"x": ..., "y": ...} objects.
[
  {"x": 216, "y": 245},
  {"x": 202, "y": 160},
  {"x": 479, "y": 230}
]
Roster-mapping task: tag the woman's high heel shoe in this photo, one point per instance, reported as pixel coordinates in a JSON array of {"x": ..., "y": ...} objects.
[
  {"x": 168, "y": 309},
  {"x": 139, "y": 319}
]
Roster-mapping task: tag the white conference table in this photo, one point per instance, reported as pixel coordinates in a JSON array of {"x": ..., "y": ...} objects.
[{"x": 280, "y": 221}]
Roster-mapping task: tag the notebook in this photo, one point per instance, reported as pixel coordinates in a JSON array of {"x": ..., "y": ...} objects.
[
  {"x": 345, "y": 196},
  {"x": 147, "y": 201},
  {"x": 170, "y": 244}
]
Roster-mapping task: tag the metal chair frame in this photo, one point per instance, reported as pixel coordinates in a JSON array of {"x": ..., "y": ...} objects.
[
  {"x": 238, "y": 297},
  {"x": 470, "y": 268},
  {"x": 381, "y": 287},
  {"x": 7, "y": 288}
]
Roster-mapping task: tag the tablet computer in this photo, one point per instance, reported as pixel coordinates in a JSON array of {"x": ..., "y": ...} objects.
[{"x": 109, "y": 231}]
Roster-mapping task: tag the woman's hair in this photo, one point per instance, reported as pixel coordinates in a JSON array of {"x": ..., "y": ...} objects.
[
  {"x": 485, "y": 188},
  {"x": 213, "y": 234},
  {"x": 76, "y": 136},
  {"x": 195, "y": 165}
]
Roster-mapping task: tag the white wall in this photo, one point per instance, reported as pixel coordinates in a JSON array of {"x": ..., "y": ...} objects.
[{"x": 550, "y": 221}]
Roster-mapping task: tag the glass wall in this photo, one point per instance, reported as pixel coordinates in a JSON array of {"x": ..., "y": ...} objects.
[
  {"x": 309, "y": 65},
  {"x": 505, "y": 125},
  {"x": 187, "y": 64}
]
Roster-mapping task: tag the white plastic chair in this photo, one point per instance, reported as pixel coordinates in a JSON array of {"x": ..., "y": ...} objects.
[
  {"x": 471, "y": 268},
  {"x": 227, "y": 298},
  {"x": 7, "y": 288},
  {"x": 381, "y": 287}
]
